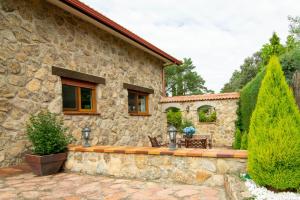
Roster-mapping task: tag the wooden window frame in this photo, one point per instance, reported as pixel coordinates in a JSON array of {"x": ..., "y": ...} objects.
[
  {"x": 79, "y": 85},
  {"x": 137, "y": 113}
]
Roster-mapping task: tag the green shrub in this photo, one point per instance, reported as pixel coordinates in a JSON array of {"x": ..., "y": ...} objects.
[
  {"x": 274, "y": 137},
  {"x": 238, "y": 122},
  {"x": 47, "y": 134},
  {"x": 186, "y": 123},
  {"x": 248, "y": 98},
  {"x": 205, "y": 115},
  {"x": 174, "y": 118},
  {"x": 202, "y": 116},
  {"x": 212, "y": 117},
  {"x": 237, "y": 139},
  {"x": 290, "y": 62},
  {"x": 244, "y": 142}
]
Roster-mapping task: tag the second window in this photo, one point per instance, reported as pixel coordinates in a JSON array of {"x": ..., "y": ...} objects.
[{"x": 138, "y": 103}]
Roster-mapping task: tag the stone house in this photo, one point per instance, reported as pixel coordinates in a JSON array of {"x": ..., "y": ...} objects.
[
  {"x": 63, "y": 56},
  {"x": 221, "y": 130}
]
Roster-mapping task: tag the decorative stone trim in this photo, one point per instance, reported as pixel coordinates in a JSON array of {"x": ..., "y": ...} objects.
[
  {"x": 212, "y": 153},
  {"x": 77, "y": 75},
  {"x": 138, "y": 88}
]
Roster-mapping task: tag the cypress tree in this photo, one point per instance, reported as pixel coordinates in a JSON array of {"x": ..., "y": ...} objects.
[{"x": 274, "y": 135}]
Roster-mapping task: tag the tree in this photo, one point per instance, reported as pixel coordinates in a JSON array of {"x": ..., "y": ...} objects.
[
  {"x": 247, "y": 72},
  {"x": 294, "y": 26},
  {"x": 256, "y": 63},
  {"x": 290, "y": 62},
  {"x": 272, "y": 48},
  {"x": 274, "y": 135},
  {"x": 182, "y": 80}
]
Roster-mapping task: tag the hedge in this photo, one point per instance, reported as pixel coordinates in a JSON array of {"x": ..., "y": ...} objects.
[
  {"x": 248, "y": 97},
  {"x": 244, "y": 141},
  {"x": 237, "y": 139},
  {"x": 247, "y": 102},
  {"x": 274, "y": 136}
]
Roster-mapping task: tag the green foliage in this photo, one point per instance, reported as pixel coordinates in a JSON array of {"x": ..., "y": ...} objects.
[
  {"x": 238, "y": 122},
  {"x": 207, "y": 113},
  {"x": 174, "y": 118},
  {"x": 204, "y": 117},
  {"x": 47, "y": 134},
  {"x": 274, "y": 136},
  {"x": 272, "y": 48},
  {"x": 244, "y": 142},
  {"x": 182, "y": 80},
  {"x": 212, "y": 117},
  {"x": 248, "y": 97},
  {"x": 290, "y": 62},
  {"x": 247, "y": 72},
  {"x": 186, "y": 123},
  {"x": 294, "y": 26},
  {"x": 256, "y": 63},
  {"x": 237, "y": 139}
]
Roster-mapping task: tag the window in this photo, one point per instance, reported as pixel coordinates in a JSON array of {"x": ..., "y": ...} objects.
[
  {"x": 78, "y": 96},
  {"x": 207, "y": 113},
  {"x": 137, "y": 103}
]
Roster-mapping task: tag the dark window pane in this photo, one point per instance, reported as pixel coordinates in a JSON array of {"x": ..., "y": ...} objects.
[
  {"x": 69, "y": 97},
  {"x": 132, "y": 102},
  {"x": 142, "y": 103},
  {"x": 86, "y": 98}
]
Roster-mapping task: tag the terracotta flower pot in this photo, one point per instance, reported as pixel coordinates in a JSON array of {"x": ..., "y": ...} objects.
[{"x": 47, "y": 164}]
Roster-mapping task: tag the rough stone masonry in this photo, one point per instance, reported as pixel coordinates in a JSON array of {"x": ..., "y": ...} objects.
[{"x": 35, "y": 36}]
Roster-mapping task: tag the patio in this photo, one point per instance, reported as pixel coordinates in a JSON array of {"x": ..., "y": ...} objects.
[{"x": 19, "y": 183}]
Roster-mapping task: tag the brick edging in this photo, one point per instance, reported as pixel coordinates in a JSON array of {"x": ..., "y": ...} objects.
[{"x": 212, "y": 153}]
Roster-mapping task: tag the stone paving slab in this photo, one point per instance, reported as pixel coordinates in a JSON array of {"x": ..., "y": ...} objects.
[
  {"x": 71, "y": 186},
  {"x": 14, "y": 170}
]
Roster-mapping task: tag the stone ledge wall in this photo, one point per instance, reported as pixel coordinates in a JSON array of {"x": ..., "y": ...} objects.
[
  {"x": 221, "y": 131},
  {"x": 161, "y": 168},
  {"x": 36, "y": 35}
]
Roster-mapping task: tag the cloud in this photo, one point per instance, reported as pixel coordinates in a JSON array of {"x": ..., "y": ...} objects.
[{"x": 217, "y": 35}]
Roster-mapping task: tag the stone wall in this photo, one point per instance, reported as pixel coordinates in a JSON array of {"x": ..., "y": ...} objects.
[
  {"x": 221, "y": 131},
  {"x": 201, "y": 167},
  {"x": 35, "y": 36}
]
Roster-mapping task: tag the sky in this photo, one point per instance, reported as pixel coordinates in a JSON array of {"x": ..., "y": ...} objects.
[{"x": 216, "y": 34}]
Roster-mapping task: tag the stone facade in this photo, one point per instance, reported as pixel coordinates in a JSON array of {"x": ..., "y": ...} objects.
[
  {"x": 160, "y": 168},
  {"x": 35, "y": 36},
  {"x": 221, "y": 131}
]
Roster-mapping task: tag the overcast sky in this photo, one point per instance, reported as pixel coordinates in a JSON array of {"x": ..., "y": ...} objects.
[{"x": 217, "y": 34}]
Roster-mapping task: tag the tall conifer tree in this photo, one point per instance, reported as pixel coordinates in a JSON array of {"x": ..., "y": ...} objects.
[{"x": 274, "y": 135}]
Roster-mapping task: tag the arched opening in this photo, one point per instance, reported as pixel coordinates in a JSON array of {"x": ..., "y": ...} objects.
[
  {"x": 207, "y": 113},
  {"x": 174, "y": 109}
]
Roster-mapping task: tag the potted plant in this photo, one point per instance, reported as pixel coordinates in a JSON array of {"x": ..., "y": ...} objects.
[
  {"x": 189, "y": 131},
  {"x": 46, "y": 132},
  {"x": 188, "y": 128}
]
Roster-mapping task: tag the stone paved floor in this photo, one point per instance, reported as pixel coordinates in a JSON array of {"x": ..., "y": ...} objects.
[{"x": 70, "y": 186}]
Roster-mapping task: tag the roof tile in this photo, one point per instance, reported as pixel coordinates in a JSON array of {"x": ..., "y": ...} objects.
[{"x": 203, "y": 97}]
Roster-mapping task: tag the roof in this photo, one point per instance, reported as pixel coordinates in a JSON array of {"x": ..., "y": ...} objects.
[
  {"x": 86, "y": 10},
  {"x": 203, "y": 97}
]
